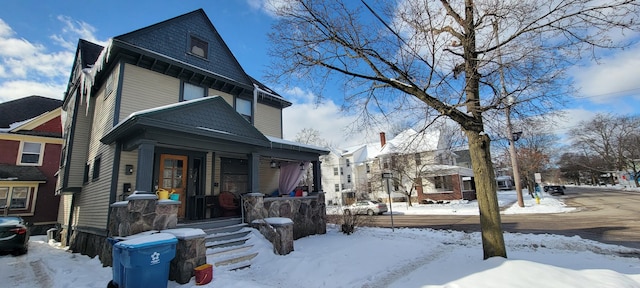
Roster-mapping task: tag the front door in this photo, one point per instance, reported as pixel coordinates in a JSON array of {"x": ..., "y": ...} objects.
[{"x": 173, "y": 172}]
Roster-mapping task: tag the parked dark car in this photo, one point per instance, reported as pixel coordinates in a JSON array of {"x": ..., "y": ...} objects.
[
  {"x": 554, "y": 189},
  {"x": 14, "y": 235}
]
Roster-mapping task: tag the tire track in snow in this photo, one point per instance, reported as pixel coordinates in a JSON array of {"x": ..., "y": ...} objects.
[
  {"x": 40, "y": 274},
  {"x": 393, "y": 275}
]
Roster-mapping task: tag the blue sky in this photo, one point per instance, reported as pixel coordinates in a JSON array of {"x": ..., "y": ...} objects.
[{"x": 38, "y": 40}]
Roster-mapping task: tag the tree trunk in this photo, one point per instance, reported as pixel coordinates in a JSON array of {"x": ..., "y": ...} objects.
[{"x": 486, "y": 187}]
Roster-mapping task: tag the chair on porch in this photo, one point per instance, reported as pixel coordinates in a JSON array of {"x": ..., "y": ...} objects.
[{"x": 228, "y": 204}]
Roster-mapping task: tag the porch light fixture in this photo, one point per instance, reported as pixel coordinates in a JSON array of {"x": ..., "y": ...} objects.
[
  {"x": 128, "y": 169},
  {"x": 273, "y": 164}
]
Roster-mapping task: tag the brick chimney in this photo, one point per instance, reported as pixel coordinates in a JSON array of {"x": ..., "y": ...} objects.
[{"x": 383, "y": 139}]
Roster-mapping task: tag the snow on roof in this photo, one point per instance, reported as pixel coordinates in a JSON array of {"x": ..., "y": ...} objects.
[
  {"x": 410, "y": 141},
  {"x": 293, "y": 143}
]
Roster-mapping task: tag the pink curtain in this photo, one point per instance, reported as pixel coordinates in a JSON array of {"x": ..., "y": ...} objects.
[{"x": 290, "y": 175}]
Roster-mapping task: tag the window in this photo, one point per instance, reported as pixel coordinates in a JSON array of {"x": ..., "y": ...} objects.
[
  {"x": 337, "y": 187},
  {"x": 17, "y": 195},
  {"x": 348, "y": 162},
  {"x": 243, "y": 107},
  {"x": 341, "y": 171},
  {"x": 443, "y": 183},
  {"x": 190, "y": 92},
  {"x": 199, "y": 47},
  {"x": 368, "y": 168},
  {"x": 109, "y": 87},
  {"x": 349, "y": 178},
  {"x": 418, "y": 159},
  {"x": 385, "y": 165},
  {"x": 96, "y": 168},
  {"x": 86, "y": 173},
  {"x": 335, "y": 171},
  {"x": 369, "y": 189},
  {"x": 30, "y": 153}
]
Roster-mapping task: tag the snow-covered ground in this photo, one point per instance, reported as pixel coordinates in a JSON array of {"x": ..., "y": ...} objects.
[{"x": 378, "y": 257}]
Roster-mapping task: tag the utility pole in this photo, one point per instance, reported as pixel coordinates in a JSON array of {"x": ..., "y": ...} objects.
[{"x": 510, "y": 134}]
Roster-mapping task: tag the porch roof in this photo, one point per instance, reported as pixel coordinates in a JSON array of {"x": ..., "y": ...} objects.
[
  {"x": 208, "y": 118},
  {"x": 21, "y": 173}
]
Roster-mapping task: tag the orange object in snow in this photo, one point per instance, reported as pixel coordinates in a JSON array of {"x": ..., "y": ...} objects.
[{"x": 204, "y": 274}]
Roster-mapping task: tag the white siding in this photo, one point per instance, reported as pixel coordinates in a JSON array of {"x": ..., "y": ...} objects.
[
  {"x": 226, "y": 96},
  {"x": 92, "y": 204},
  {"x": 78, "y": 157},
  {"x": 269, "y": 120},
  {"x": 144, "y": 89}
]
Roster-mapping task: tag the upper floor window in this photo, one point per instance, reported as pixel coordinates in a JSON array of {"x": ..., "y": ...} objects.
[
  {"x": 349, "y": 178},
  {"x": 418, "y": 159},
  {"x": 199, "y": 47},
  {"x": 368, "y": 168},
  {"x": 31, "y": 153},
  {"x": 96, "y": 168},
  {"x": 337, "y": 187},
  {"x": 190, "y": 92},
  {"x": 348, "y": 162},
  {"x": 243, "y": 107},
  {"x": 335, "y": 171}
]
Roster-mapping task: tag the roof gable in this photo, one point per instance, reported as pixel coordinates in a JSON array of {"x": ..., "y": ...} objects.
[{"x": 172, "y": 37}]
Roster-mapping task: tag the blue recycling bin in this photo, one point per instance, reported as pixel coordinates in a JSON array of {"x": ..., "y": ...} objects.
[
  {"x": 116, "y": 266},
  {"x": 144, "y": 261}
]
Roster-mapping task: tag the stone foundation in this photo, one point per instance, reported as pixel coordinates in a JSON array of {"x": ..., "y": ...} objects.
[
  {"x": 190, "y": 253},
  {"x": 278, "y": 231},
  {"x": 308, "y": 213}
]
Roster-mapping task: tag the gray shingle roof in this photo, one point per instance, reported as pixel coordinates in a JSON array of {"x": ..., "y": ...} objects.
[
  {"x": 20, "y": 173},
  {"x": 25, "y": 108},
  {"x": 210, "y": 117}
]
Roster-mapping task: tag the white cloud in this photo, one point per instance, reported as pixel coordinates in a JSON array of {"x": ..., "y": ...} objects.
[
  {"x": 326, "y": 117},
  {"x": 613, "y": 77},
  {"x": 11, "y": 90},
  {"x": 269, "y": 7},
  {"x": 30, "y": 68}
]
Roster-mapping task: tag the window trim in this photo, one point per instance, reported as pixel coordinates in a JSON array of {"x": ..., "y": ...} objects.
[
  {"x": 245, "y": 116},
  {"x": 95, "y": 173},
  {"x": 32, "y": 193},
  {"x": 182, "y": 89},
  {"x": 21, "y": 152},
  {"x": 204, "y": 45}
]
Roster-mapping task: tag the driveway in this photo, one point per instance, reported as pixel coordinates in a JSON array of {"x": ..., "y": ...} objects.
[{"x": 604, "y": 215}]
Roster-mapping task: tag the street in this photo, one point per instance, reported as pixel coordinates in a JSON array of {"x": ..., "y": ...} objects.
[{"x": 603, "y": 215}]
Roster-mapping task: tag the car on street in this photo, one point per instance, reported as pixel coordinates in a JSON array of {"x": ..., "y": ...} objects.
[
  {"x": 14, "y": 235},
  {"x": 554, "y": 189},
  {"x": 369, "y": 207}
]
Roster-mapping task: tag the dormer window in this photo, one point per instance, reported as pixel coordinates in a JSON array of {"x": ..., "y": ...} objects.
[{"x": 198, "y": 47}]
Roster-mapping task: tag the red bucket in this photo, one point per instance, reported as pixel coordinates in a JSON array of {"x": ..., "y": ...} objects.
[{"x": 204, "y": 274}]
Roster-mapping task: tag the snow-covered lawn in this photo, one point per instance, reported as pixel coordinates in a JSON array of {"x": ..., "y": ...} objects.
[{"x": 378, "y": 257}]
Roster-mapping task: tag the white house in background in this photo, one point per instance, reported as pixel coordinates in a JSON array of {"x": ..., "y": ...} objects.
[{"x": 420, "y": 162}]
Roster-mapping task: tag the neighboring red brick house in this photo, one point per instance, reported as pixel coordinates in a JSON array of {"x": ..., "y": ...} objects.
[{"x": 30, "y": 143}]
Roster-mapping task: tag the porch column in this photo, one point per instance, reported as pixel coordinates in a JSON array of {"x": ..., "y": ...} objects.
[
  {"x": 317, "y": 176},
  {"x": 254, "y": 175},
  {"x": 144, "y": 171}
]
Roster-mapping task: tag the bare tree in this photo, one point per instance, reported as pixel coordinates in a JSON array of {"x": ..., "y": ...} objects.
[
  {"x": 417, "y": 58},
  {"x": 613, "y": 139}
]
